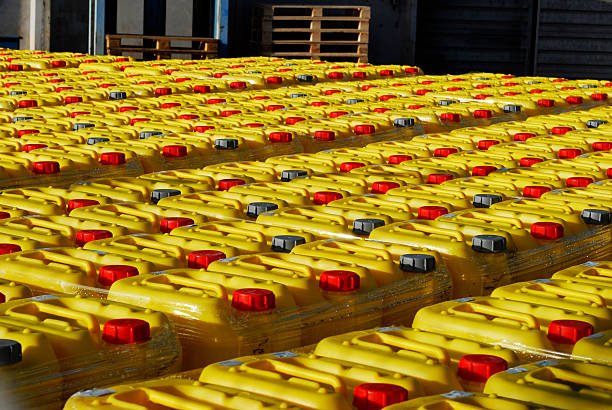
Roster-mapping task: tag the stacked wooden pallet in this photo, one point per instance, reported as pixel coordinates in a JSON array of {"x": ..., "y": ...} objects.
[
  {"x": 162, "y": 46},
  {"x": 326, "y": 32}
]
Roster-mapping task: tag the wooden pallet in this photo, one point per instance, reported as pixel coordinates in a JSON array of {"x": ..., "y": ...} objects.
[
  {"x": 202, "y": 47},
  {"x": 332, "y": 32}
]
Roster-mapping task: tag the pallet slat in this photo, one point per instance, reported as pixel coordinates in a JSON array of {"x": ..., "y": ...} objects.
[
  {"x": 162, "y": 45},
  {"x": 310, "y": 30}
]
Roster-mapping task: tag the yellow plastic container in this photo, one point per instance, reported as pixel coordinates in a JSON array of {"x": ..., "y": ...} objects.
[
  {"x": 528, "y": 329},
  {"x": 549, "y": 383},
  {"x": 354, "y": 185},
  {"x": 595, "y": 348},
  {"x": 209, "y": 327},
  {"x": 457, "y": 400},
  {"x": 306, "y": 380},
  {"x": 593, "y": 273},
  {"x": 427, "y": 363},
  {"x": 172, "y": 393},
  {"x": 316, "y": 220},
  {"x": 213, "y": 205},
  {"x": 11, "y": 291},
  {"x": 161, "y": 250},
  {"x": 90, "y": 344}
]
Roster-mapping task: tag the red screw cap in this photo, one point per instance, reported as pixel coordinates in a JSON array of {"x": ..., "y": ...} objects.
[
  {"x": 411, "y": 70},
  {"x": 274, "y": 80},
  {"x": 523, "y": 136},
  {"x": 80, "y": 203},
  {"x": 511, "y": 93},
  {"x": 226, "y": 184},
  {"x": 349, "y": 166},
  {"x": 483, "y": 114},
  {"x": 483, "y": 170},
  {"x": 574, "y": 100},
  {"x": 4, "y": 215},
  {"x": 201, "y": 259},
  {"x": 215, "y": 100},
  {"x": 253, "y": 299},
  {"x": 73, "y": 100},
  {"x": 128, "y": 108},
  {"x": 510, "y": 84},
  {"x": 536, "y": 91},
  {"x": 398, "y": 159},
  {"x": 561, "y": 130},
  {"x": 21, "y": 133},
  {"x": 238, "y": 84},
  {"x": 366, "y": 87},
  {"x": 88, "y": 235},
  {"x": 229, "y": 113},
  {"x": 293, "y": 120},
  {"x": 339, "y": 281},
  {"x": 126, "y": 331},
  {"x": 438, "y": 178},
  {"x": 381, "y": 187},
  {"x": 163, "y": 91},
  {"x": 168, "y": 224},
  {"x": 486, "y": 144},
  {"x": 170, "y": 105},
  {"x": 189, "y": 117},
  {"x": 381, "y": 109},
  {"x": 450, "y": 116},
  {"x": 546, "y": 103},
  {"x": 375, "y": 396},
  {"x": 6, "y": 248},
  {"x": 219, "y": 75},
  {"x": 480, "y": 86},
  {"x": 135, "y": 120},
  {"x": 359, "y": 74},
  {"x": 201, "y": 89},
  {"x": 444, "y": 152},
  {"x": 274, "y": 107},
  {"x": 319, "y": 103},
  {"x": 568, "y": 88},
  {"x": 385, "y": 73},
  {"x": 479, "y": 367},
  {"x": 568, "y": 331},
  {"x": 203, "y": 128},
  {"x": 529, "y": 161},
  {"x": 335, "y": 75},
  {"x": 325, "y": 135},
  {"x": 364, "y": 129},
  {"x": 535, "y": 191},
  {"x": 174, "y": 151},
  {"x": 280, "y": 137},
  {"x": 574, "y": 182},
  {"x": 454, "y": 89},
  {"x": 599, "y": 96},
  {"x": 602, "y": 146},
  {"x": 46, "y": 167},
  {"x": 431, "y": 212},
  {"x": 415, "y": 107},
  {"x": 331, "y": 92},
  {"x": 254, "y": 125},
  {"x": 335, "y": 114},
  {"x": 547, "y": 230},
  {"x": 27, "y": 103},
  {"x": 569, "y": 153},
  {"x": 31, "y": 147},
  {"x": 112, "y": 158},
  {"x": 325, "y": 197},
  {"x": 387, "y": 97},
  {"x": 482, "y": 96},
  {"x": 109, "y": 274}
]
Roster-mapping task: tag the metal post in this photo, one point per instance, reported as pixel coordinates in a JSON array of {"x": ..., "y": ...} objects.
[
  {"x": 221, "y": 25},
  {"x": 96, "y": 27}
]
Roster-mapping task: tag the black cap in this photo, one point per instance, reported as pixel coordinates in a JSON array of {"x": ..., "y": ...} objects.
[
  {"x": 589, "y": 86},
  {"x": 297, "y": 95},
  {"x": 253, "y": 72},
  {"x": 254, "y": 209},
  {"x": 10, "y": 352},
  {"x": 489, "y": 243},
  {"x": 148, "y": 134},
  {"x": 18, "y": 92},
  {"x": 354, "y": 100},
  {"x": 305, "y": 78},
  {"x": 22, "y": 118},
  {"x": 512, "y": 109},
  {"x": 446, "y": 102},
  {"x": 366, "y": 225},
  {"x": 226, "y": 143},
  {"x": 284, "y": 243},
  {"x": 596, "y": 216},
  {"x": 289, "y": 174},
  {"x": 595, "y": 123},
  {"x": 486, "y": 200},
  {"x": 403, "y": 122},
  {"x": 534, "y": 82},
  {"x": 417, "y": 262},
  {"x": 95, "y": 140},
  {"x": 81, "y": 125},
  {"x": 117, "y": 95},
  {"x": 159, "y": 194}
]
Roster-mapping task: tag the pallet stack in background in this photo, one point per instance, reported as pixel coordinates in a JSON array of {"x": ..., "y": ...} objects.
[{"x": 301, "y": 234}]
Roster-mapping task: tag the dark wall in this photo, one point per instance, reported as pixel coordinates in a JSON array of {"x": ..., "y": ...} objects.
[
  {"x": 389, "y": 28},
  {"x": 69, "y": 25}
]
